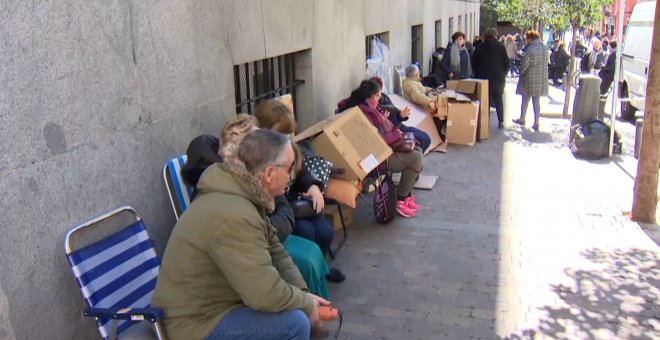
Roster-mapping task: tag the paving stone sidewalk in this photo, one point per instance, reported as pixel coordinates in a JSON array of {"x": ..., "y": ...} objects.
[{"x": 517, "y": 240}]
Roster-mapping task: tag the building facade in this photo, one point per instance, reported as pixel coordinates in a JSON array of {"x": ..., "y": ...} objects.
[{"x": 97, "y": 95}]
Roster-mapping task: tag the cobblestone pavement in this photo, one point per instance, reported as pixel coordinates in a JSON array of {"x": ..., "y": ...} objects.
[{"x": 517, "y": 240}]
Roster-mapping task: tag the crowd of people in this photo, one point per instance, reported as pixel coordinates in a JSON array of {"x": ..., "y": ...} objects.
[{"x": 240, "y": 263}]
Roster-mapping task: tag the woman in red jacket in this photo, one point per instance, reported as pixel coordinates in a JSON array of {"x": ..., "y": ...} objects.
[{"x": 409, "y": 163}]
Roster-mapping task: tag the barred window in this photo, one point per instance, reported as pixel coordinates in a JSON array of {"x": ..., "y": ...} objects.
[{"x": 264, "y": 79}]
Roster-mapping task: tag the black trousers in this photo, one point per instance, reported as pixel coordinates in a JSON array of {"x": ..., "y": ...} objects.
[{"x": 496, "y": 97}]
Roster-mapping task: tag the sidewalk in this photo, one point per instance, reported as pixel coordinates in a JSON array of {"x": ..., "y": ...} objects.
[{"x": 518, "y": 239}]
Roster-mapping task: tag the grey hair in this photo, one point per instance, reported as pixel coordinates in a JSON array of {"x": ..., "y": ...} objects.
[
  {"x": 261, "y": 148},
  {"x": 412, "y": 70}
]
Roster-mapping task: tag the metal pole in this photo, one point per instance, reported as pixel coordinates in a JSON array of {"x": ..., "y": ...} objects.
[{"x": 617, "y": 73}]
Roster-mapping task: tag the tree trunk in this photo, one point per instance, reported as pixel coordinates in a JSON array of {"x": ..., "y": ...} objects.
[
  {"x": 571, "y": 67},
  {"x": 646, "y": 183}
]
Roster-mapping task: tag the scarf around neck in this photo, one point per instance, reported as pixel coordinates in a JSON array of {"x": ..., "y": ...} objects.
[{"x": 455, "y": 59}]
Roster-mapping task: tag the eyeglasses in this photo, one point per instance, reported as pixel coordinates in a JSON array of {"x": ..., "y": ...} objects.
[{"x": 291, "y": 168}]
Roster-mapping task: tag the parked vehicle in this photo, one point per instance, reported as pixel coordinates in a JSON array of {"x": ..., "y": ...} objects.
[{"x": 636, "y": 54}]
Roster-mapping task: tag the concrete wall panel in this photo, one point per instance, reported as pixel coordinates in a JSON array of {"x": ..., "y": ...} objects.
[
  {"x": 302, "y": 24},
  {"x": 245, "y": 28},
  {"x": 99, "y": 94}
]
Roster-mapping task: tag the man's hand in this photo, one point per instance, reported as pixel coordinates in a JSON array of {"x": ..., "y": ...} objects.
[
  {"x": 405, "y": 113},
  {"x": 451, "y": 75},
  {"x": 314, "y": 319},
  {"x": 314, "y": 192},
  {"x": 432, "y": 105}
]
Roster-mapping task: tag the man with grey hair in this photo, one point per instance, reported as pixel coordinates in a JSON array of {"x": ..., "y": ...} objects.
[
  {"x": 225, "y": 275},
  {"x": 412, "y": 71}
]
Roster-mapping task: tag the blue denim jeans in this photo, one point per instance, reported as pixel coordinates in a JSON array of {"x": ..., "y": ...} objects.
[
  {"x": 245, "y": 323},
  {"x": 316, "y": 229}
]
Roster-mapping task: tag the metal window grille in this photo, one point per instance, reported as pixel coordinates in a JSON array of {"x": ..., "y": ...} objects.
[
  {"x": 264, "y": 79},
  {"x": 451, "y": 27},
  {"x": 438, "y": 33}
]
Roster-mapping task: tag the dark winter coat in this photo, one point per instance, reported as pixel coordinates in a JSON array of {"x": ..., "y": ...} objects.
[
  {"x": 491, "y": 62},
  {"x": 607, "y": 72}
]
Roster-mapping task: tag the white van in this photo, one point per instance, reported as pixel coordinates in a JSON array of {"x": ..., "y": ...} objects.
[{"x": 635, "y": 58}]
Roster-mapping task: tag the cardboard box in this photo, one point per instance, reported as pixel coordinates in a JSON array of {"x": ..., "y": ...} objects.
[
  {"x": 476, "y": 89},
  {"x": 462, "y": 123},
  {"x": 350, "y": 142},
  {"x": 419, "y": 119},
  {"x": 331, "y": 213}
]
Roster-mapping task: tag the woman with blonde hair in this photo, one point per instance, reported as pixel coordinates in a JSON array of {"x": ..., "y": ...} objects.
[{"x": 275, "y": 115}]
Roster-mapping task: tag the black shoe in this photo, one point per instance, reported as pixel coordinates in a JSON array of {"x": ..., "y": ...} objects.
[
  {"x": 500, "y": 125},
  {"x": 335, "y": 275}
]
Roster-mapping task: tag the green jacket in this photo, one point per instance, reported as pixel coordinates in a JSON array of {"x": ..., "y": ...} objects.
[{"x": 223, "y": 254}]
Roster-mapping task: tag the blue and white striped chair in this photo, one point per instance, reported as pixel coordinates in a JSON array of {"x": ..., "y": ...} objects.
[
  {"x": 178, "y": 191},
  {"x": 117, "y": 275}
]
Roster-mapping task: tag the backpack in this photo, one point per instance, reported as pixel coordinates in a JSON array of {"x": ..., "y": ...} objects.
[{"x": 384, "y": 196}]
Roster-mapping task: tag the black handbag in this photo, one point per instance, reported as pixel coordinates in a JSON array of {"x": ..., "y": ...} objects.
[{"x": 303, "y": 208}]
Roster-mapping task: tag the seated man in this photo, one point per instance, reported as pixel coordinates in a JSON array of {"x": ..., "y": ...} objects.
[
  {"x": 414, "y": 91},
  {"x": 225, "y": 275}
]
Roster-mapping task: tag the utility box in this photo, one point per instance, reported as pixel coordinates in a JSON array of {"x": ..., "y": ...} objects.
[{"x": 587, "y": 102}]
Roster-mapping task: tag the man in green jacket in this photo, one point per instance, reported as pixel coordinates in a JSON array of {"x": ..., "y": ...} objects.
[{"x": 225, "y": 275}]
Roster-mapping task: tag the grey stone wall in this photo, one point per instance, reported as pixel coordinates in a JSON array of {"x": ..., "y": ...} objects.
[{"x": 97, "y": 95}]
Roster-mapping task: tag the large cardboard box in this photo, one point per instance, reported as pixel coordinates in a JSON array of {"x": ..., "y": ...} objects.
[
  {"x": 350, "y": 142},
  {"x": 476, "y": 89},
  {"x": 462, "y": 122},
  {"x": 419, "y": 119}
]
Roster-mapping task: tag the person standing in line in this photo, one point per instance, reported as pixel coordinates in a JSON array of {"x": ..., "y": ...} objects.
[
  {"x": 456, "y": 61},
  {"x": 606, "y": 73},
  {"x": 533, "y": 81},
  {"x": 490, "y": 61},
  {"x": 511, "y": 52}
]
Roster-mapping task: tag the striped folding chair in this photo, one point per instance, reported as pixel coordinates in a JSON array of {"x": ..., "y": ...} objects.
[
  {"x": 117, "y": 276},
  {"x": 178, "y": 191}
]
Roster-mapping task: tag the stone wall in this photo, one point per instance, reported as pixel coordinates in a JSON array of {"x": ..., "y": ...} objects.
[{"x": 97, "y": 95}]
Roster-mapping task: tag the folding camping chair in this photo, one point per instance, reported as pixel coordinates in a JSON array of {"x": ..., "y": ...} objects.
[
  {"x": 117, "y": 275},
  {"x": 177, "y": 190}
]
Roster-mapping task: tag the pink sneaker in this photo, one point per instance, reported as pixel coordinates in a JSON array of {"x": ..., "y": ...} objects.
[
  {"x": 410, "y": 203},
  {"x": 403, "y": 209}
]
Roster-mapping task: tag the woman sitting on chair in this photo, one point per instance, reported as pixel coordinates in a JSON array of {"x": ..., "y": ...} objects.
[
  {"x": 408, "y": 162},
  {"x": 275, "y": 115}
]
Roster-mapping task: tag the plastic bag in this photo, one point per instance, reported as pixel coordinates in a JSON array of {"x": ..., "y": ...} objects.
[{"x": 592, "y": 140}]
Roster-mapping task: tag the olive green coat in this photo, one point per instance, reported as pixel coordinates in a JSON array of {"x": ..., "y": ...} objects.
[{"x": 223, "y": 254}]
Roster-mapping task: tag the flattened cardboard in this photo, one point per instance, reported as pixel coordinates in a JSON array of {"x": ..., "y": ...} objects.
[
  {"x": 350, "y": 142},
  {"x": 331, "y": 213},
  {"x": 462, "y": 123},
  {"x": 419, "y": 119}
]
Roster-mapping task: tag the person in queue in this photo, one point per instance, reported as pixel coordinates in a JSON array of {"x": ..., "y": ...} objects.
[
  {"x": 416, "y": 92},
  {"x": 491, "y": 62},
  {"x": 275, "y": 115},
  {"x": 456, "y": 61},
  {"x": 593, "y": 60},
  {"x": 225, "y": 274},
  {"x": 409, "y": 163},
  {"x": 533, "y": 81},
  {"x": 398, "y": 116}
]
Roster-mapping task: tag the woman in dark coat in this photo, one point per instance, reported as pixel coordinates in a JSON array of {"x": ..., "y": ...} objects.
[
  {"x": 491, "y": 62},
  {"x": 456, "y": 60}
]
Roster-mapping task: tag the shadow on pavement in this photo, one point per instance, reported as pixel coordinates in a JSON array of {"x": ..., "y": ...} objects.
[{"x": 617, "y": 300}]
